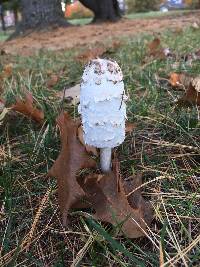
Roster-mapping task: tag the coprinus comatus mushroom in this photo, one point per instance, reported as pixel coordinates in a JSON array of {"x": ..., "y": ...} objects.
[{"x": 102, "y": 107}]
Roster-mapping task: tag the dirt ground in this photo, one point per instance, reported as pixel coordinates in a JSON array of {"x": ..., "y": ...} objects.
[{"x": 65, "y": 38}]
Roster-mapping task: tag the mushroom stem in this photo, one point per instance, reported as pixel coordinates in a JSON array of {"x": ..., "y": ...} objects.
[{"x": 105, "y": 159}]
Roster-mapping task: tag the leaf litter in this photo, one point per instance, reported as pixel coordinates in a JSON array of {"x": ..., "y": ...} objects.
[
  {"x": 72, "y": 158},
  {"x": 189, "y": 84},
  {"x": 105, "y": 193},
  {"x": 156, "y": 50},
  {"x": 27, "y": 108}
]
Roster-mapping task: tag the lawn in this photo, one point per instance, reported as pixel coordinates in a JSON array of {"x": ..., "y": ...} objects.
[
  {"x": 157, "y": 14},
  {"x": 4, "y": 36},
  {"x": 164, "y": 148}
]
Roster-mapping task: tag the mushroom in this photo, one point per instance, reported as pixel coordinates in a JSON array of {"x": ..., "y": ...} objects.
[{"x": 102, "y": 107}]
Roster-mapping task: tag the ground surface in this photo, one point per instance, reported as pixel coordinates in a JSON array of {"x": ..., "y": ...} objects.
[
  {"x": 90, "y": 34},
  {"x": 164, "y": 148}
]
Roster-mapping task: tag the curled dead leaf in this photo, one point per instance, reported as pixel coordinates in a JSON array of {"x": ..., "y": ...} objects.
[
  {"x": 108, "y": 198},
  {"x": 27, "y": 108},
  {"x": 98, "y": 51},
  {"x": 192, "y": 94},
  {"x": 180, "y": 80},
  {"x": 72, "y": 158},
  {"x": 106, "y": 194},
  {"x": 154, "y": 45},
  {"x": 7, "y": 71},
  {"x": 174, "y": 79},
  {"x": 155, "y": 50},
  {"x": 130, "y": 127},
  {"x": 135, "y": 198},
  {"x": 91, "y": 54}
]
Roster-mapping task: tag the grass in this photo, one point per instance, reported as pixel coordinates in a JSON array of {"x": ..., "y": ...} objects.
[
  {"x": 157, "y": 14},
  {"x": 4, "y": 36},
  {"x": 81, "y": 21},
  {"x": 164, "y": 148},
  {"x": 141, "y": 15}
]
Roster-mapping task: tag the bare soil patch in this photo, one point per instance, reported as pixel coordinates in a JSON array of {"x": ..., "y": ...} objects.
[{"x": 66, "y": 38}]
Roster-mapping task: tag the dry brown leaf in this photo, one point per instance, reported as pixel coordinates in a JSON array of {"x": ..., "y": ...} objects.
[
  {"x": 180, "y": 80},
  {"x": 53, "y": 80},
  {"x": 111, "y": 205},
  {"x": 109, "y": 200},
  {"x": 89, "y": 149},
  {"x": 135, "y": 199},
  {"x": 154, "y": 45},
  {"x": 27, "y": 108},
  {"x": 174, "y": 79},
  {"x": 157, "y": 51},
  {"x": 91, "y": 54},
  {"x": 178, "y": 30},
  {"x": 192, "y": 94},
  {"x": 72, "y": 158},
  {"x": 104, "y": 193},
  {"x": 7, "y": 70},
  {"x": 130, "y": 127},
  {"x": 98, "y": 51}
]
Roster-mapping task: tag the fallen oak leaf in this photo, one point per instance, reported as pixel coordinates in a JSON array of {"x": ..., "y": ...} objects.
[
  {"x": 135, "y": 198},
  {"x": 98, "y": 51},
  {"x": 192, "y": 94},
  {"x": 130, "y": 127},
  {"x": 157, "y": 51},
  {"x": 27, "y": 108},
  {"x": 7, "y": 71},
  {"x": 107, "y": 194},
  {"x": 180, "y": 80},
  {"x": 72, "y": 158},
  {"x": 154, "y": 45},
  {"x": 91, "y": 54},
  {"x": 111, "y": 205}
]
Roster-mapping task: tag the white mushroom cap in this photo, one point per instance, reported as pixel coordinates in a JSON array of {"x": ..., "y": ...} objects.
[{"x": 102, "y": 105}]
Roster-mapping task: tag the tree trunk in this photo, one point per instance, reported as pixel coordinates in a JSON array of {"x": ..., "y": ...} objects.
[
  {"x": 37, "y": 14},
  {"x": 104, "y": 10},
  {"x": 2, "y": 18}
]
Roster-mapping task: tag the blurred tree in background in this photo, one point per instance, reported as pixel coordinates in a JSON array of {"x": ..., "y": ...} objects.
[
  {"x": 37, "y": 14},
  {"x": 142, "y": 5},
  {"x": 12, "y": 5},
  {"x": 146, "y": 5}
]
